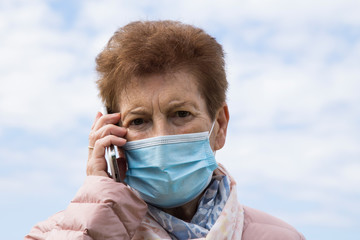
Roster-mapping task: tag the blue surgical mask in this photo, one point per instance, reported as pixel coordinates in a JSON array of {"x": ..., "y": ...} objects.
[{"x": 169, "y": 171}]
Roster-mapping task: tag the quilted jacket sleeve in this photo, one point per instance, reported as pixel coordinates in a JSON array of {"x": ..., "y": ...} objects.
[
  {"x": 259, "y": 225},
  {"x": 101, "y": 209}
]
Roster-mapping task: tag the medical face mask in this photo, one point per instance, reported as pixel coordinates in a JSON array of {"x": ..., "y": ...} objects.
[{"x": 169, "y": 171}]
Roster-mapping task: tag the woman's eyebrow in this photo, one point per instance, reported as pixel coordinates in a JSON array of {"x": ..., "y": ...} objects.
[
  {"x": 179, "y": 104},
  {"x": 135, "y": 111}
]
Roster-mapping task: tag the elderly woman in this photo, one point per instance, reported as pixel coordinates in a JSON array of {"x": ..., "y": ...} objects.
[{"x": 164, "y": 86}]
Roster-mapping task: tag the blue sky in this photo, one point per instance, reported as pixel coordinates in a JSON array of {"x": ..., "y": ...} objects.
[{"x": 293, "y": 144}]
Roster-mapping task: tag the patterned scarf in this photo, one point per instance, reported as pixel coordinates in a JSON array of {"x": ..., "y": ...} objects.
[{"x": 209, "y": 209}]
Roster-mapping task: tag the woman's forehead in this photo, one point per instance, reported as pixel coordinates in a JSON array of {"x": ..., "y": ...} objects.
[
  {"x": 163, "y": 88},
  {"x": 167, "y": 83}
]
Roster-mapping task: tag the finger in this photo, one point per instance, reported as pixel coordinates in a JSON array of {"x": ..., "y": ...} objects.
[
  {"x": 91, "y": 143},
  {"x": 101, "y": 144},
  {"x": 113, "y": 118},
  {"x": 97, "y": 164},
  {"x": 105, "y": 131},
  {"x": 111, "y": 130},
  {"x": 98, "y": 115}
]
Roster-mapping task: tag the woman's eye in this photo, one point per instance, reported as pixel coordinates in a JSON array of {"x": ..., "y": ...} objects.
[
  {"x": 183, "y": 114},
  {"x": 137, "y": 121}
]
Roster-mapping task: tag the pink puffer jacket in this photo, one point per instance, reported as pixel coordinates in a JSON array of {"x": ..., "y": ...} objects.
[{"x": 104, "y": 209}]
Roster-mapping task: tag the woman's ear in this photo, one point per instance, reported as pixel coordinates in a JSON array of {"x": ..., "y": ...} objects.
[{"x": 221, "y": 122}]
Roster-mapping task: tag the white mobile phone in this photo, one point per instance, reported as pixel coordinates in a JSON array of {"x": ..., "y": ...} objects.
[{"x": 111, "y": 156}]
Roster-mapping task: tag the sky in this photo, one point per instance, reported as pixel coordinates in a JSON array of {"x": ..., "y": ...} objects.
[{"x": 293, "y": 142}]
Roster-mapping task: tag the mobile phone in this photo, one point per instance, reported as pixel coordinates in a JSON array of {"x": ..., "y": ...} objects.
[{"x": 111, "y": 156}]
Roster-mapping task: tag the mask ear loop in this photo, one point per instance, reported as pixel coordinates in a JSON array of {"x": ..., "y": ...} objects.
[
  {"x": 210, "y": 132},
  {"x": 212, "y": 127}
]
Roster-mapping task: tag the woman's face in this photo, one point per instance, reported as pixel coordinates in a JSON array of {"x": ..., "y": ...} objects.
[{"x": 163, "y": 104}]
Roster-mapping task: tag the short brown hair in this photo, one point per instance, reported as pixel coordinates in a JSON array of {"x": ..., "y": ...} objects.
[{"x": 146, "y": 47}]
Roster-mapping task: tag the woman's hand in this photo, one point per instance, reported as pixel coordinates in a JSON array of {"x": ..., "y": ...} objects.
[{"x": 104, "y": 132}]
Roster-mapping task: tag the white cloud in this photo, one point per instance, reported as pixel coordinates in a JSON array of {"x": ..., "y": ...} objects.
[
  {"x": 42, "y": 172},
  {"x": 47, "y": 73}
]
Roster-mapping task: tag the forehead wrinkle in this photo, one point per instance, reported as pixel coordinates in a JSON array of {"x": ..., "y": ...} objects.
[
  {"x": 159, "y": 105},
  {"x": 176, "y": 99},
  {"x": 161, "y": 99},
  {"x": 123, "y": 94},
  {"x": 134, "y": 104}
]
